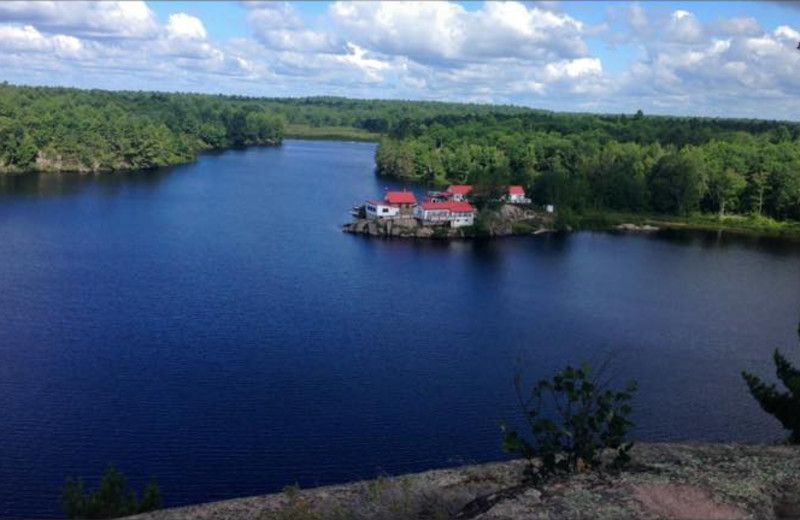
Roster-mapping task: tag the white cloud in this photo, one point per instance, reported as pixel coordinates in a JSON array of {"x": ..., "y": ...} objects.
[
  {"x": 684, "y": 27},
  {"x": 184, "y": 26},
  {"x": 24, "y": 39},
  {"x": 638, "y": 18},
  {"x": 446, "y": 33},
  {"x": 118, "y": 19},
  {"x": 29, "y": 40},
  {"x": 745, "y": 26},
  {"x": 785, "y": 32},
  {"x": 278, "y": 26},
  {"x": 185, "y": 36},
  {"x": 574, "y": 68},
  {"x": 729, "y": 67}
]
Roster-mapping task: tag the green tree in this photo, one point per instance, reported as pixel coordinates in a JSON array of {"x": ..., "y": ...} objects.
[
  {"x": 676, "y": 183},
  {"x": 724, "y": 188},
  {"x": 113, "y": 499},
  {"x": 572, "y": 418},
  {"x": 784, "y": 406}
]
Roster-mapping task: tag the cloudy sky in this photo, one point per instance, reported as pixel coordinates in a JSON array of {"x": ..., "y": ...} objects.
[{"x": 705, "y": 58}]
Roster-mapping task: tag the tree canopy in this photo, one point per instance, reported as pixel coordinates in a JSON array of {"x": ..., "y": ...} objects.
[
  {"x": 625, "y": 163},
  {"x": 635, "y": 162}
]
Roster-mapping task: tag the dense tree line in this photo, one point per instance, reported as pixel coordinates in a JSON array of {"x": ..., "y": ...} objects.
[
  {"x": 626, "y": 163},
  {"x": 54, "y": 129},
  {"x": 57, "y": 129},
  {"x": 580, "y": 161},
  {"x": 395, "y": 117}
]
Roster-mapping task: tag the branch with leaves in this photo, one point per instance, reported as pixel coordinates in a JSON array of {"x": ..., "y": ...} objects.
[{"x": 573, "y": 418}]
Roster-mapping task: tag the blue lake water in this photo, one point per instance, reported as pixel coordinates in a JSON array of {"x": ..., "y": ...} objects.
[{"x": 210, "y": 324}]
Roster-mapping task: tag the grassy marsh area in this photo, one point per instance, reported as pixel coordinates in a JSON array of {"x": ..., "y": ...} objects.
[
  {"x": 333, "y": 133},
  {"x": 734, "y": 223}
]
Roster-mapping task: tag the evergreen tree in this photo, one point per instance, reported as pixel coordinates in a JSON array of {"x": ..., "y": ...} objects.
[
  {"x": 112, "y": 500},
  {"x": 785, "y": 406}
]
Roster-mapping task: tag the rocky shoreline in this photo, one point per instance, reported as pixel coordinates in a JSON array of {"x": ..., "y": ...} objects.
[
  {"x": 670, "y": 481},
  {"x": 507, "y": 220},
  {"x": 644, "y": 228}
]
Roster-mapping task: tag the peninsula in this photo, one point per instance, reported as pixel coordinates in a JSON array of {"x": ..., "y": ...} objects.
[{"x": 457, "y": 212}]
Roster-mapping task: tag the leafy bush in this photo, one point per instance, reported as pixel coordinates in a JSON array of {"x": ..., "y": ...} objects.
[
  {"x": 785, "y": 406},
  {"x": 112, "y": 500},
  {"x": 583, "y": 419},
  {"x": 566, "y": 220}
]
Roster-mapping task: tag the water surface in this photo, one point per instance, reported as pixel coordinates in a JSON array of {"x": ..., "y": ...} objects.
[{"x": 211, "y": 325}]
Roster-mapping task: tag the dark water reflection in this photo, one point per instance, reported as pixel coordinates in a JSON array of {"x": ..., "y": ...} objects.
[{"x": 211, "y": 325}]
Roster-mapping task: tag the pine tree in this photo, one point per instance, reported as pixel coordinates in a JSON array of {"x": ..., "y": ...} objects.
[
  {"x": 785, "y": 406},
  {"x": 113, "y": 499},
  {"x": 151, "y": 501}
]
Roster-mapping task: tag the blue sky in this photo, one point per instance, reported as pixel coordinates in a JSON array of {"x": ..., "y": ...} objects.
[{"x": 702, "y": 58}]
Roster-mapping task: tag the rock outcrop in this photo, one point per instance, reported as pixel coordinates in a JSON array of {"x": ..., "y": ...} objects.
[
  {"x": 507, "y": 220},
  {"x": 643, "y": 228},
  {"x": 670, "y": 481}
]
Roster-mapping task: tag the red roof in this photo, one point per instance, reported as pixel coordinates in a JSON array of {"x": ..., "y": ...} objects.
[
  {"x": 516, "y": 190},
  {"x": 459, "y": 189},
  {"x": 455, "y": 207},
  {"x": 401, "y": 197}
]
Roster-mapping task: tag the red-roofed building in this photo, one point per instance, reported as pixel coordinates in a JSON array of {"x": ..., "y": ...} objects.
[
  {"x": 454, "y": 213},
  {"x": 516, "y": 195},
  {"x": 404, "y": 199},
  {"x": 459, "y": 192}
]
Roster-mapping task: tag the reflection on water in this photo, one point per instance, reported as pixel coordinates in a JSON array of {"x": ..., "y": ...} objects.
[
  {"x": 211, "y": 324},
  {"x": 42, "y": 185}
]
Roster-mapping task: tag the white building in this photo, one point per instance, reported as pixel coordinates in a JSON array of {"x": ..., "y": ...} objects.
[
  {"x": 456, "y": 214},
  {"x": 458, "y": 192},
  {"x": 516, "y": 195},
  {"x": 380, "y": 209}
]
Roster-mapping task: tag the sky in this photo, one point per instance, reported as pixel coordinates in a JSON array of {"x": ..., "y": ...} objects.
[{"x": 729, "y": 59}]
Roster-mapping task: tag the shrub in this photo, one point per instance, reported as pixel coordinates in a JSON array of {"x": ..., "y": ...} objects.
[
  {"x": 583, "y": 419},
  {"x": 785, "y": 406},
  {"x": 112, "y": 500},
  {"x": 566, "y": 220}
]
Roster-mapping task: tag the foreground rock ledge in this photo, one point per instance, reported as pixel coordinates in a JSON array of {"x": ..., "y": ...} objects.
[{"x": 671, "y": 481}]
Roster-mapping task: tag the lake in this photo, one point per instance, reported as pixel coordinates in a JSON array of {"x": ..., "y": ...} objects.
[{"x": 211, "y": 325}]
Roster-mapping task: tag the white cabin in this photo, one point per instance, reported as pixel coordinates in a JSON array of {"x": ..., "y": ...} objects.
[
  {"x": 516, "y": 195},
  {"x": 380, "y": 209},
  {"x": 458, "y": 192}
]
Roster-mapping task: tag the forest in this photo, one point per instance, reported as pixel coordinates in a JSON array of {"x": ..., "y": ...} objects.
[
  {"x": 64, "y": 129},
  {"x": 59, "y": 129},
  {"x": 629, "y": 163}
]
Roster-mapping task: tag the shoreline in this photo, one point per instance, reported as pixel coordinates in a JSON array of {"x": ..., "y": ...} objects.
[
  {"x": 83, "y": 170},
  {"x": 738, "y": 225},
  {"x": 586, "y": 221},
  {"x": 505, "y": 220},
  {"x": 664, "y": 480}
]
